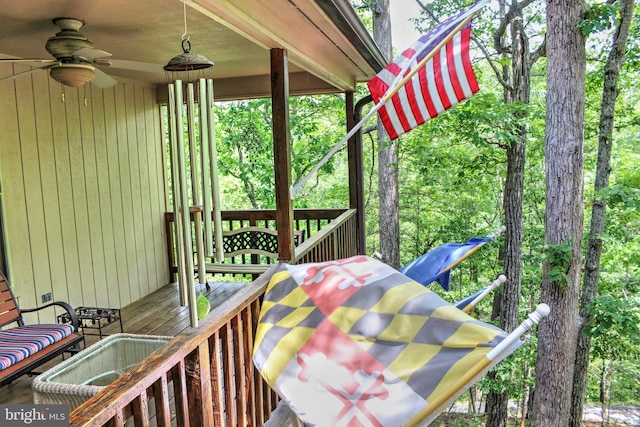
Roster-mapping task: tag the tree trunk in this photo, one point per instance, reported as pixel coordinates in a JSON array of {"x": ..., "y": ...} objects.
[
  {"x": 599, "y": 206},
  {"x": 497, "y": 403},
  {"x": 605, "y": 389},
  {"x": 564, "y": 215},
  {"x": 525, "y": 396},
  {"x": 388, "y": 152}
]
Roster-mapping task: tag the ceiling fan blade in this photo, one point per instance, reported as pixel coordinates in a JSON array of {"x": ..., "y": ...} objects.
[
  {"x": 102, "y": 80},
  {"x": 90, "y": 55},
  {"x": 147, "y": 67},
  {"x": 24, "y": 73},
  {"x": 34, "y": 60}
]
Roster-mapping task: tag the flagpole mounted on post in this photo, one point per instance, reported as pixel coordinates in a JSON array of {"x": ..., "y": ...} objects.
[
  {"x": 515, "y": 339},
  {"x": 400, "y": 81}
]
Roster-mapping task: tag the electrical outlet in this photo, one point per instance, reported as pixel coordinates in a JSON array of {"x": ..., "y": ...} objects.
[{"x": 46, "y": 297}]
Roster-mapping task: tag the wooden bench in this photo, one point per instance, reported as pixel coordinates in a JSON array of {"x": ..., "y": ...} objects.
[
  {"x": 253, "y": 241},
  {"x": 24, "y": 347}
]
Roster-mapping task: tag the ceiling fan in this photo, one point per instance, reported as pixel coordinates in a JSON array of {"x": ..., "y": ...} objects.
[{"x": 75, "y": 58}]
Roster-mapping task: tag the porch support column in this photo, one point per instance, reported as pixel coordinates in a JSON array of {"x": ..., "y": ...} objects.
[
  {"x": 356, "y": 174},
  {"x": 282, "y": 152}
]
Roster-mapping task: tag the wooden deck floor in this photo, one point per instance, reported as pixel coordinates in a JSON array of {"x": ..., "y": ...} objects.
[{"x": 159, "y": 313}]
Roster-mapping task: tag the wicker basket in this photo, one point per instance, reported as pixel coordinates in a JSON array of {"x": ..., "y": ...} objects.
[{"x": 80, "y": 377}]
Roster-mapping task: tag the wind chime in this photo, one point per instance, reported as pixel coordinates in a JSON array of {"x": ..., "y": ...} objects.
[{"x": 192, "y": 136}]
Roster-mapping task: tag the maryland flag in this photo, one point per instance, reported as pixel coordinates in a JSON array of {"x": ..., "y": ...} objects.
[{"x": 354, "y": 342}]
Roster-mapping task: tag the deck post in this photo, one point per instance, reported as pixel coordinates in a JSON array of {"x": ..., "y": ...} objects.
[
  {"x": 356, "y": 173},
  {"x": 282, "y": 152}
]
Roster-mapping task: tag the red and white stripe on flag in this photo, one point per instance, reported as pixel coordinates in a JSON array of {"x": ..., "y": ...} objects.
[{"x": 444, "y": 81}]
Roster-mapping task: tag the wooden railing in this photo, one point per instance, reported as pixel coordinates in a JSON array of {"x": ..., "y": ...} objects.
[
  {"x": 334, "y": 242},
  {"x": 307, "y": 221},
  {"x": 205, "y": 376}
]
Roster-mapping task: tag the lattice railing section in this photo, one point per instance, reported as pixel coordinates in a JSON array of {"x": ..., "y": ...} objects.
[
  {"x": 249, "y": 240},
  {"x": 254, "y": 240}
]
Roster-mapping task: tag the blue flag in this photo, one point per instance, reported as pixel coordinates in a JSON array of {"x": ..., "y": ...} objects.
[{"x": 435, "y": 265}]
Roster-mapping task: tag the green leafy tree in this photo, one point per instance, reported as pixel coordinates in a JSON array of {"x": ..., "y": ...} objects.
[
  {"x": 244, "y": 135},
  {"x": 614, "y": 329},
  {"x": 599, "y": 16},
  {"x": 246, "y": 150}
]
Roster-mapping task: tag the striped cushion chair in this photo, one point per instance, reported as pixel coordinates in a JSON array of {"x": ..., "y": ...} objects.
[
  {"x": 18, "y": 343},
  {"x": 25, "y": 347}
]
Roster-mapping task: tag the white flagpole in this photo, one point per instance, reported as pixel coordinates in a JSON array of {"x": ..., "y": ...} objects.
[
  {"x": 495, "y": 356},
  {"x": 499, "y": 281},
  {"x": 495, "y": 234},
  {"x": 297, "y": 187}
]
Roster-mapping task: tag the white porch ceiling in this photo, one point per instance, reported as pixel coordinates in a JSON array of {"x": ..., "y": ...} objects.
[{"x": 329, "y": 50}]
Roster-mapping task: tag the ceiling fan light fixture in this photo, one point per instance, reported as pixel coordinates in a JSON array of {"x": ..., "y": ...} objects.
[{"x": 73, "y": 75}]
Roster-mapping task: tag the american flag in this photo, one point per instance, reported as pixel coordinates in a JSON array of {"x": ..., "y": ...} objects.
[{"x": 445, "y": 80}]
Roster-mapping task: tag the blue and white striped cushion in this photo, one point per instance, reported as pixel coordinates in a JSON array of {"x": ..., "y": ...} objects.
[{"x": 19, "y": 343}]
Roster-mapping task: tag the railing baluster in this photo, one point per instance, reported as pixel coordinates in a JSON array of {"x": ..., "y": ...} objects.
[
  {"x": 237, "y": 328},
  {"x": 259, "y": 397},
  {"x": 141, "y": 410},
  {"x": 179, "y": 381},
  {"x": 117, "y": 421},
  {"x": 250, "y": 394},
  {"x": 198, "y": 371},
  {"x": 217, "y": 379},
  {"x": 268, "y": 399},
  {"x": 229, "y": 389},
  {"x": 161, "y": 400}
]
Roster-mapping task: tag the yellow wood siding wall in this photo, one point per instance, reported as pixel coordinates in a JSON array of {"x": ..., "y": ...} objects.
[{"x": 83, "y": 191}]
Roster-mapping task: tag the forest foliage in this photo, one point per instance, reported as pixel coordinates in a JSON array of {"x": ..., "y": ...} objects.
[{"x": 452, "y": 172}]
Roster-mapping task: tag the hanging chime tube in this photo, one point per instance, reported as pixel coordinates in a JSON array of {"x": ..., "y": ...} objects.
[
  {"x": 195, "y": 182},
  {"x": 175, "y": 182},
  {"x": 205, "y": 166},
  {"x": 184, "y": 207},
  {"x": 215, "y": 190}
]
